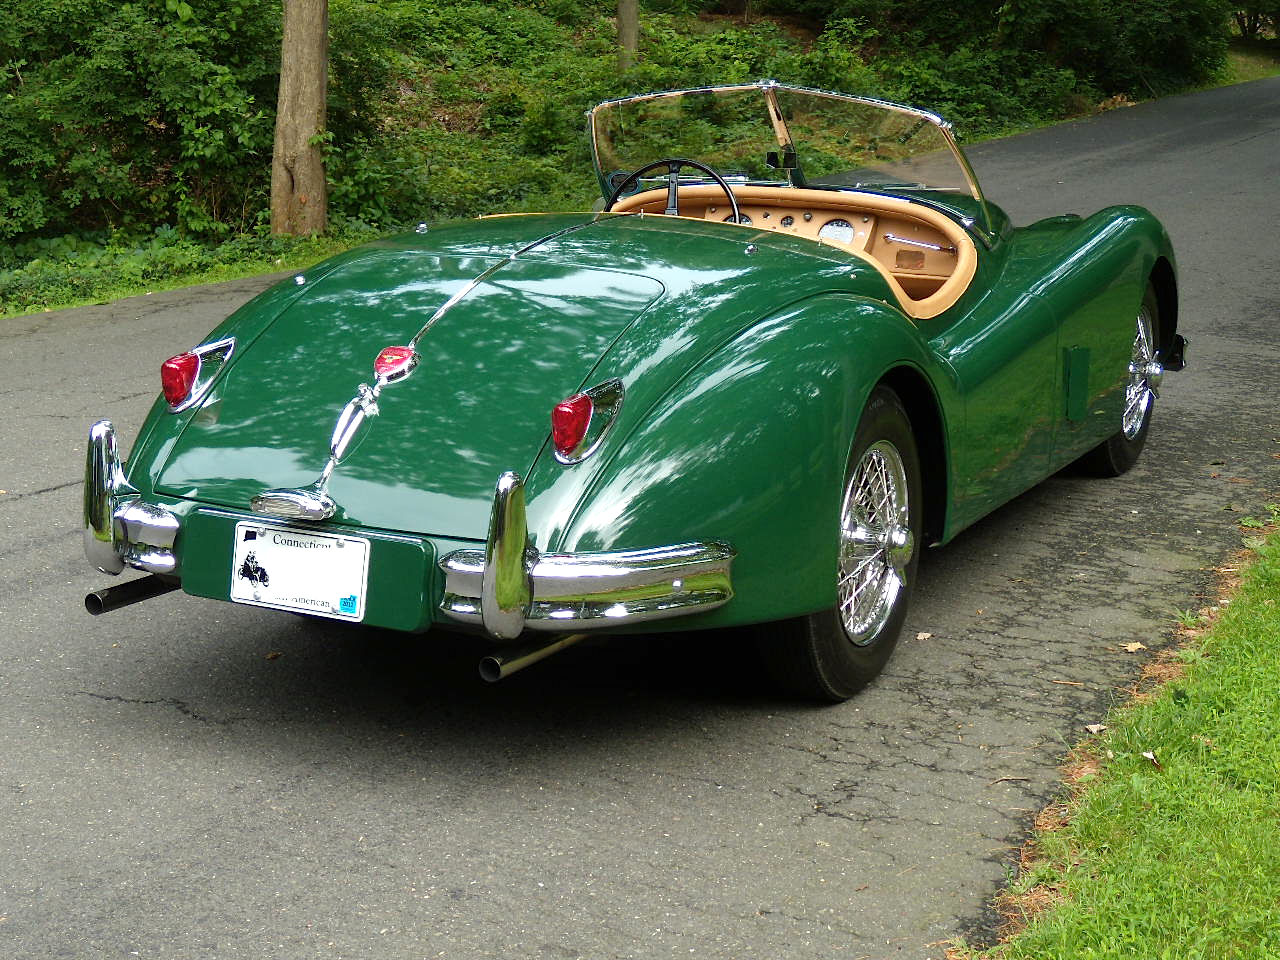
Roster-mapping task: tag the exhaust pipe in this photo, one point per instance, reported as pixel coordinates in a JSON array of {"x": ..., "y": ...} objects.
[
  {"x": 496, "y": 666},
  {"x": 135, "y": 591}
]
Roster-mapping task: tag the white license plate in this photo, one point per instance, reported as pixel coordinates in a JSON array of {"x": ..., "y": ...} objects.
[{"x": 325, "y": 574}]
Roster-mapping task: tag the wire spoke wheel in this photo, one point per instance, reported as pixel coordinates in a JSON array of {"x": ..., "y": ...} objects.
[
  {"x": 1145, "y": 374},
  {"x": 876, "y": 543},
  {"x": 1120, "y": 451},
  {"x": 833, "y": 653}
]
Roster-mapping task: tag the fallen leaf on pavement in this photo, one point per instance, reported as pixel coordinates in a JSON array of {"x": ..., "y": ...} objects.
[{"x": 1133, "y": 647}]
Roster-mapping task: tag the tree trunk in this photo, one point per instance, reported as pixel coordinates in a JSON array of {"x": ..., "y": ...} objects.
[
  {"x": 299, "y": 198},
  {"x": 628, "y": 32}
]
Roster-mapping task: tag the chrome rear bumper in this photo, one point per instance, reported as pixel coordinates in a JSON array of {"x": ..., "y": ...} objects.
[
  {"x": 506, "y": 588},
  {"x": 509, "y": 587},
  {"x": 119, "y": 528}
]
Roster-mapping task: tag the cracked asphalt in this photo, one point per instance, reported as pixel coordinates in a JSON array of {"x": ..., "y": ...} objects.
[{"x": 190, "y": 779}]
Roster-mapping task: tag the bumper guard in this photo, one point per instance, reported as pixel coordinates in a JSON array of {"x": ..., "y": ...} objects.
[
  {"x": 508, "y": 586},
  {"x": 119, "y": 528}
]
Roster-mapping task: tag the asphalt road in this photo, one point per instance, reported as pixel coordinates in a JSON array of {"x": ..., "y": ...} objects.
[{"x": 190, "y": 779}]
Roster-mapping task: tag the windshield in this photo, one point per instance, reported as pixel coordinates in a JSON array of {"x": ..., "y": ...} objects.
[{"x": 768, "y": 133}]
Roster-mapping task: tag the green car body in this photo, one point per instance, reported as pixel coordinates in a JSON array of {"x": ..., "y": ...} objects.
[{"x": 747, "y": 357}]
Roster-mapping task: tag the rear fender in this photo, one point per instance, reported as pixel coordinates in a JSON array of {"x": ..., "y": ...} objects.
[{"x": 749, "y": 447}]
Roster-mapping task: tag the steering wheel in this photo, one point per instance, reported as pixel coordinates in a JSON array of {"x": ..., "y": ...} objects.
[{"x": 674, "y": 166}]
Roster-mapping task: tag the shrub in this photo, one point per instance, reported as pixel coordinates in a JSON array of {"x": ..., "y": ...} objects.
[{"x": 115, "y": 115}]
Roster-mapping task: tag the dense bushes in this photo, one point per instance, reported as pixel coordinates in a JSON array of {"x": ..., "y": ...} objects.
[
  {"x": 118, "y": 117},
  {"x": 1001, "y": 60},
  {"x": 486, "y": 103},
  {"x": 124, "y": 115},
  {"x": 43, "y": 273}
]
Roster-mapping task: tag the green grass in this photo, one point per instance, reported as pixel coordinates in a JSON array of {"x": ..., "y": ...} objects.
[
  {"x": 1172, "y": 848},
  {"x": 74, "y": 272},
  {"x": 1252, "y": 60}
]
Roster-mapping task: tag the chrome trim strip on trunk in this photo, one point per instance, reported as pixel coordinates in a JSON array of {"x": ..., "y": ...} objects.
[
  {"x": 314, "y": 502},
  {"x": 508, "y": 586}
]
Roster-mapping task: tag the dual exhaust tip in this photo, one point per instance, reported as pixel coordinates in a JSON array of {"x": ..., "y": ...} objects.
[
  {"x": 493, "y": 668},
  {"x": 122, "y": 594}
]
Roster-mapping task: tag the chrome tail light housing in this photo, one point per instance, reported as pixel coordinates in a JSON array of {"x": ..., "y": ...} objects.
[{"x": 580, "y": 423}]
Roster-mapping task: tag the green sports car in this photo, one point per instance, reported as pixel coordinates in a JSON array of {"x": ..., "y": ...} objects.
[{"x": 794, "y": 345}]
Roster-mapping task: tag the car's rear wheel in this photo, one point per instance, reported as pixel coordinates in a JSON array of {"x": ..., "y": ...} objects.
[
  {"x": 1120, "y": 451},
  {"x": 833, "y": 653}
]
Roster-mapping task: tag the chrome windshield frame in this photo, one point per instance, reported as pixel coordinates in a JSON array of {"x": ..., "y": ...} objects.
[{"x": 769, "y": 90}]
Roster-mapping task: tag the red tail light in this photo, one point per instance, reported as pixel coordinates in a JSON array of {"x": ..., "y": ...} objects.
[
  {"x": 569, "y": 422},
  {"x": 394, "y": 363},
  {"x": 178, "y": 375}
]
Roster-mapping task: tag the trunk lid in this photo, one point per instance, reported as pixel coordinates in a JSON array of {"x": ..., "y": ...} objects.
[{"x": 478, "y": 403}]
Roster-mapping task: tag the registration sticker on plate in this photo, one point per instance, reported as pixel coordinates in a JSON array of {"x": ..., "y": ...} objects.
[{"x": 285, "y": 568}]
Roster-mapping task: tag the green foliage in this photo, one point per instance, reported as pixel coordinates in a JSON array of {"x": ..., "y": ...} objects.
[
  {"x": 49, "y": 272},
  {"x": 116, "y": 117},
  {"x": 1251, "y": 19},
  {"x": 1142, "y": 47},
  {"x": 575, "y": 13},
  {"x": 1170, "y": 44}
]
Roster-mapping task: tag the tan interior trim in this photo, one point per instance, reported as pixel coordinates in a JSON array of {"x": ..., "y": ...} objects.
[{"x": 924, "y": 280}]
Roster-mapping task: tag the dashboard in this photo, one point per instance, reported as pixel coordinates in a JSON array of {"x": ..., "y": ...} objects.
[{"x": 926, "y": 256}]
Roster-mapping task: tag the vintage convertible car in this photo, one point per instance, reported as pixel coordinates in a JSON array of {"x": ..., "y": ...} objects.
[{"x": 795, "y": 345}]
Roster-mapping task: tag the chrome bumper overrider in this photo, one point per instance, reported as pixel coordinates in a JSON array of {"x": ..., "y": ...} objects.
[
  {"x": 119, "y": 528},
  {"x": 508, "y": 586}
]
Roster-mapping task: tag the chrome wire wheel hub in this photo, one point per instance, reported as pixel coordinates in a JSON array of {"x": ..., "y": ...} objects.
[
  {"x": 1145, "y": 374},
  {"x": 876, "y": 543}
]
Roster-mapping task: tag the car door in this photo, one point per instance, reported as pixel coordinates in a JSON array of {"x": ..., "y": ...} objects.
[{"x": 1003, "y": 354}]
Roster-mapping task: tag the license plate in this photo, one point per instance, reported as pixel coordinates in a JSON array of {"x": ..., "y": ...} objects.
[{"x": 325, "y": 574}]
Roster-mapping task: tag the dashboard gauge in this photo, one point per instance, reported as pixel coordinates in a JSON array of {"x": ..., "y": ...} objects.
[
  {"x": 840, "y": 231},
  {"x": 742, "y": 219}
]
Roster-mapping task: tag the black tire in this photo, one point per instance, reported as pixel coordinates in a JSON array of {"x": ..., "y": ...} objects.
[
  {"x": 832, "y": 654},
  {"x": 1120, "y": 451}
]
